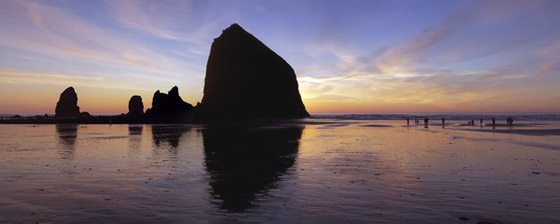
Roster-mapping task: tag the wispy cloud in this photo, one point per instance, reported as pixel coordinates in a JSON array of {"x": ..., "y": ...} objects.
[
  {"x": 173, "y": 20},
  {"x": 54, "y": 78},
  {"x": 56, "y": 32},
  {"x": 420, "y": 70},
  {"x": 4, "y": 72}
]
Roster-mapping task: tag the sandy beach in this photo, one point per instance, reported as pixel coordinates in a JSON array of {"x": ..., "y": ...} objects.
[{"x": 318, "y": 171}]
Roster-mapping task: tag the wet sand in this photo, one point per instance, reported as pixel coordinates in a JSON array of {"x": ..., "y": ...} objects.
[{"x": 311, "y": 171}]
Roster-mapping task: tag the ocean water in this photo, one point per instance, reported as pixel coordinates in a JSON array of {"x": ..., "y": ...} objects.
[
  {"x": 402, "y": 116},
  {"x": 500, "y": 117},
  {"x": 320, "y": 170}
]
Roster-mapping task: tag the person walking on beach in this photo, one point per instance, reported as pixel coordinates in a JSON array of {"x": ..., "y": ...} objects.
[
  {"x": 510, "y": 121},
  {"x": 407, "y": 121},
  {"x": 493, "y": 121},
  {"x": 443, "y": 120}
]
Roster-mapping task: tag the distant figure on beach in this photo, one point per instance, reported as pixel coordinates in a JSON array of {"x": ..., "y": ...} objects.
[
  {"x": 510, "y": 121},
  {"x": 426, "y": 121},
  {"x": 481, "y": 121},
  {"x": 407, "y": 121},
  {"x": 443, "y": 120},
  {"x": 493, "y": 121}
]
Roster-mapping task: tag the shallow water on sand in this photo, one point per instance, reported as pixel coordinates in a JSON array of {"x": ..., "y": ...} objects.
[{"x": 326, "y": 172}]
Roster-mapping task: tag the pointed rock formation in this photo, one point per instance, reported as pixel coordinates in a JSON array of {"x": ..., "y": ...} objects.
[
  {"x": 135, "y": 107},
  {"x": 245, "y": 79},
  {"x": 67, "y": 105},
  {"x": 169, "y": 108}
]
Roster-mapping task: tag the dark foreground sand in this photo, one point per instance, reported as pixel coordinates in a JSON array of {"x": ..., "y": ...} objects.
[{"x": 313, "y": 171}]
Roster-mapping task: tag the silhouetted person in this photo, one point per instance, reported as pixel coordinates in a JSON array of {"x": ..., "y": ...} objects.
[
  {"x": 510, "y": 121},
  {"x": 481, "y": 121},
  {"x": 245, "y": 161},
  {"x": 407, "y": 121},
  {"x": 493, "y": 121},
  {"x": 425, "y": 121},
  {"x": 443, "y": 120}
]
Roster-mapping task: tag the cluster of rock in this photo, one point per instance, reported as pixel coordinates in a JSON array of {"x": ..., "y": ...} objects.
[
  {"x": 244, "y": 80},
  {"x": 169, "y": 108}
]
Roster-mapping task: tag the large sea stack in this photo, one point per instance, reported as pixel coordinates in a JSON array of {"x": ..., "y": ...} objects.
[
  {"x": 245, "y": 79},
  {"x": 169, "y": 108},
  {"x": 67, "y": 105}
]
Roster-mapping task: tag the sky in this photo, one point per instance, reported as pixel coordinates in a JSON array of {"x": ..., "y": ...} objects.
[{"x": 416, "y": 56}]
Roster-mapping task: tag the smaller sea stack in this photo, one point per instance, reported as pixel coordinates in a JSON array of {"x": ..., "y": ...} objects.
[
  {"x": 135, "y": 107},
  {"x": 67, "y": 105}
]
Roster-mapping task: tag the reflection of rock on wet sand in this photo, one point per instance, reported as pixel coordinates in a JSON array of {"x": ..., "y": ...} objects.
[
  {"x": 169, "y": 134},
  {"x": 135, "y": 132},
  {"x": 243, "y": 162},
  {"x": 67, "y": 134},
  {"x": 135, "y": 129}
]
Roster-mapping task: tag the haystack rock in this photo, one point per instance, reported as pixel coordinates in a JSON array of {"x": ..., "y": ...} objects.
[
  {"x": 67, "y": 105},
  {"x": 245, "y": 79},
  {"x": 169, "y": 108},
  {"x": 135, "y": 107}
]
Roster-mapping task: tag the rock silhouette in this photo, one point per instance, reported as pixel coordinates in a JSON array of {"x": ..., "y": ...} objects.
[
  {"x": 169, "y": 108},
  {"x": 67, "y": 105},
  {"x": 135, "y": 107},
  {"x": 245, "y": 79}
]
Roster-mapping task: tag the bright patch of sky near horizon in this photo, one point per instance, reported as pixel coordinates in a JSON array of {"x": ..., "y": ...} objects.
[{"x": 349, "y": 56}]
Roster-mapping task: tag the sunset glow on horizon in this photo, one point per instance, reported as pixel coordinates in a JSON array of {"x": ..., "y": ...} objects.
[{"x": 349, "y": 56}]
